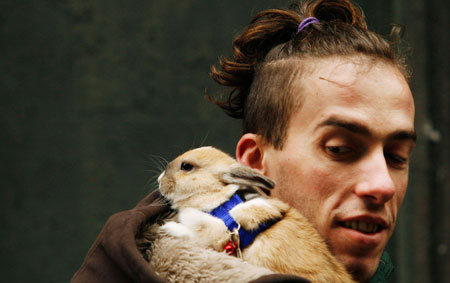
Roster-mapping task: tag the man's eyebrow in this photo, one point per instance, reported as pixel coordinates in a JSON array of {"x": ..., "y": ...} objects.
[
  {"x": 350, "y": 126},
  {"x": 403, "y": 135},
  {"x": 363, "y": 130}
]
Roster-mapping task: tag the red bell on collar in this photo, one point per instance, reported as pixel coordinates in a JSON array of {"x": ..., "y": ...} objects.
[{"x": 230, "y": 248}]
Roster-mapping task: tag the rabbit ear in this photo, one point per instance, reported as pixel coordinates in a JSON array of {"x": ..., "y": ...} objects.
[{"x": 243, "y": 175}]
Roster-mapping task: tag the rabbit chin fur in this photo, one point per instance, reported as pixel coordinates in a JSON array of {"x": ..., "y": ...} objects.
[{"x": 290, "y": 246}]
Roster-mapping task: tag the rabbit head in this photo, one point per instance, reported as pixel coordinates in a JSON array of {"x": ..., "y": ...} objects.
[{"x": 205, "y": 177}]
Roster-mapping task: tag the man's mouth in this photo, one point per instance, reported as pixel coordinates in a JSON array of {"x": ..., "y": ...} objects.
[{"x": 362, "y": 226}]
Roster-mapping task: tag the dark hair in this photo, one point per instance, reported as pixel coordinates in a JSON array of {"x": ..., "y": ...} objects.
[{"x": 260, "y": 71}]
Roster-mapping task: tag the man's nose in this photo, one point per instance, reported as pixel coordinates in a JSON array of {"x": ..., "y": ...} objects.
[{"x": 375, "y": 182}]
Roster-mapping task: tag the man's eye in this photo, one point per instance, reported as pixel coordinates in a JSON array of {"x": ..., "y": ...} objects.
[
  {"x": 338, "y": 149},
  {"x": 185, "y": 166},
  {"x": 396, "y": 160},
  {"x": 341, "y": 153}
]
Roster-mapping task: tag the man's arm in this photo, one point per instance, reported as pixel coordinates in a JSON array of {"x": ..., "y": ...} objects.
[{"x": 114, "y": 256}]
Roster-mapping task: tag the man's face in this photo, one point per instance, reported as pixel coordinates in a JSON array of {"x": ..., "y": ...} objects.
[{"x": 344, "y": 163}]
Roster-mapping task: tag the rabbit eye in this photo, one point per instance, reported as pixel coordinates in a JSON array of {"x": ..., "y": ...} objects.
[{"x": 186, "y": 166}]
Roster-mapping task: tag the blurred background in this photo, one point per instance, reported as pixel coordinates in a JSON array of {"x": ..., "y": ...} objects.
[{"x": 95, "y": 93}]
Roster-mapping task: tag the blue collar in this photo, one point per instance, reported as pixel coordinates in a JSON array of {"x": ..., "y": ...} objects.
[{"x": 245, "y": 237}]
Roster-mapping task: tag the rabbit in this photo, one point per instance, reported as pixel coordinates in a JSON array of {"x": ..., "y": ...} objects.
[{"x": 202, "y": 179}]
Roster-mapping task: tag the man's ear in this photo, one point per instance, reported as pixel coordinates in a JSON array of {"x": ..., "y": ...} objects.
[{"x": 250, "y": 152}]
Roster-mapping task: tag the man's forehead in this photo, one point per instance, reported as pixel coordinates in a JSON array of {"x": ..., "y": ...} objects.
[
  {"x": 372, "y": 93},
  {"x": 342, "y": 70},
  {"x": 346, "y": 71},
  {"x": 343, "y": 74}
]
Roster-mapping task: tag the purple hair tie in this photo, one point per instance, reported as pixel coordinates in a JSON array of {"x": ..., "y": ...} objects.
[{"x": 306, "y": 22}]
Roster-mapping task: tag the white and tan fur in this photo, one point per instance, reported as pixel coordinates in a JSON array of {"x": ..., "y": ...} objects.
[
  {"x": 184, "y": 260},
  {"x": 290, "y": 246}
]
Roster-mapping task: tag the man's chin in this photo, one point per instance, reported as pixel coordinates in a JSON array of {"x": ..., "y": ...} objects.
[
  {"x": 358, "y": 252},
  {"x": 360, "y": 269}
]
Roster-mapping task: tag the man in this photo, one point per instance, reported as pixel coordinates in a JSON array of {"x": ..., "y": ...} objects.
[{"x": 327, "y": 114}]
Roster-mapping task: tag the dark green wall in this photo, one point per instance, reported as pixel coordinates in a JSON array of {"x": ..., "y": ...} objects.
[{"x": 94, "y": 92}]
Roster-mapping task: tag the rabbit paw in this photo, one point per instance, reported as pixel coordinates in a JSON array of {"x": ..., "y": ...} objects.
[{"x": 210, "y": 231}]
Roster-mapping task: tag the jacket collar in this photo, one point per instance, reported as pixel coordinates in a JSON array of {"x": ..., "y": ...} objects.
[{"x": 384, "y": 270}]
